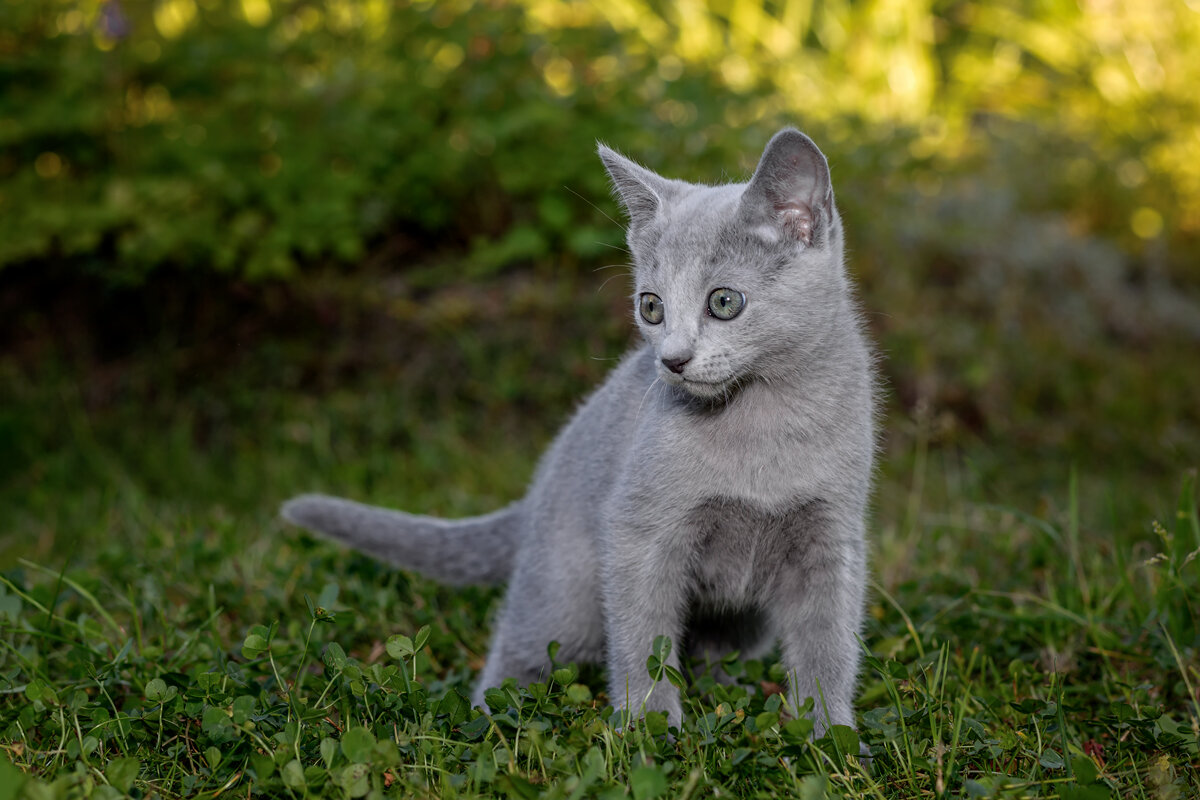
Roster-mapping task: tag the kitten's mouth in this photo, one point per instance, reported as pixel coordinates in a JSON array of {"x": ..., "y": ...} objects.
[{"x": 707, "y": 390}]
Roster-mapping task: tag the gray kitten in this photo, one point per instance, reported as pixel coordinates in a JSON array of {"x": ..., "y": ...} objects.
[{"x": 714, "y": 488}]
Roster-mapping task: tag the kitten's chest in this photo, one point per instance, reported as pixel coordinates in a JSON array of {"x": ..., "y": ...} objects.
[
  {"x": 765, "y": 454},
  {"x": 738, "y": 549}
]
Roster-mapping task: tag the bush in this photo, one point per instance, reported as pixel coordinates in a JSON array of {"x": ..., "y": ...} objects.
[
  {"x": 134, "y": 141},
  {"x": 255, "y": 137}
]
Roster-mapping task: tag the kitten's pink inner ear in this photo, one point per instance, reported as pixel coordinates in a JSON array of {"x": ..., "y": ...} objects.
[{"x": 797, "y": 222}]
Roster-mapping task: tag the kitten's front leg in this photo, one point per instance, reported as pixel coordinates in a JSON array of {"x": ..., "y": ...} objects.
[
  {"x": 644, "y": 597},
  {"x": 816, "y": 609}
]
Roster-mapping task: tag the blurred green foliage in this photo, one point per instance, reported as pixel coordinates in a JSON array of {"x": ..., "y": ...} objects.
[{"x": 254, "y": 137}]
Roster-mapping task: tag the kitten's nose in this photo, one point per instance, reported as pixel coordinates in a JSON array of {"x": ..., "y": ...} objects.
[{"x": 676, "y": 364}]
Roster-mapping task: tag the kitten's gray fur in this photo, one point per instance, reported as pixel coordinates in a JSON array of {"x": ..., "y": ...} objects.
[{"x": 722, "y": 505}]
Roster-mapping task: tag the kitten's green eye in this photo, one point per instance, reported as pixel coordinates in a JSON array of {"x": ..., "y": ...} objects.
[
  {"x": 726, "y": 303},
  {"x": 651, "y": 306}
]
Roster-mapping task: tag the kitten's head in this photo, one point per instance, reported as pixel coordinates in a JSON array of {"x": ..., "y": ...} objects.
[{"x": 740, "y": 282}]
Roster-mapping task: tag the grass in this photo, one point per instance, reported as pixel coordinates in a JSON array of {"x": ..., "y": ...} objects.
[{"x": 1033, "y": 629}]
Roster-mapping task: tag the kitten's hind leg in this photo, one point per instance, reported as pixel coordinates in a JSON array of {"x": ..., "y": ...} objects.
[
  {"x": 536, "y": 613},
  {"x": 501, "y": 665}
]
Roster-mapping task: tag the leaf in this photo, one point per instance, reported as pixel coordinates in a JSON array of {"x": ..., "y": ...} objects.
[
  {"x": 766, "y": 720},
  {"x": 121, "y": 773},
  {"x": 656, "y": 723},
  {"x": 653, "y": 666},
  {"x": 216, "y": 723},
  {"x": 814, "y": 787},
  {"x": 357, "y": 744},
  {"x": 798, "y": 730},
  {"x": 263, "y": 766},
  {"x": 496, "y": 699},
  {"x": 415, "y": 698},
  {"x": 1084, "y": 769},
  {"x": 846, "y": 739},
  {"x": 243, "y": 708},
  {"x": 421, "y": 638},
  {"x": 11, "y": 780},
  {"x": 661, "y": 647},
  {"x": 329, "y": 749},
  {"x": 881, "y": 719},
  {"x": 1121, "y": 711},
  {"x": 517, "y": 787},
  {"x": 475, "y": 728},
  {"x": 354, "y": 779},
  {"x": 77, "y": 700},
  {"x": 1050, "y": 759},
  {"x": 293, "y": 775},
  {"x": 455, "y": 707},
  {"x": 579, "y": 694},
  {"x": 335, "y": 656},
  {"x": 38, "y": 689},
  {"x": 386, "y": 753},
  {"x": 213, "y": 757},
  {"x": 565, "y": 676},
  {"x": 593, "y": 763},
  {"x": 976, "y": 789},
  {"x": 156, "y": 689},
  {"x": 254, "y": 646},
  {"x": 647, "y": 782},
  {"x": 399, "y": 647}
]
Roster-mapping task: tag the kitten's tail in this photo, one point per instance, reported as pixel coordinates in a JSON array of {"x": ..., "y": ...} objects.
[{"x": 456, "y": 552}]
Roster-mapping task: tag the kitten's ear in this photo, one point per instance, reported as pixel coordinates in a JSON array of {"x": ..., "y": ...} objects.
[
  {"x": 790, "y": 192},
  {"x": 642, "y": 192}
]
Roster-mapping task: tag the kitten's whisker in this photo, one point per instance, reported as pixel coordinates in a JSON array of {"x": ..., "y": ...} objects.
[
  {"x": 593, "y": 205},
  {"x": 620, "y": 247},
  {"x": 653, "y": 383},
  {"x": 611, "y": 278}
]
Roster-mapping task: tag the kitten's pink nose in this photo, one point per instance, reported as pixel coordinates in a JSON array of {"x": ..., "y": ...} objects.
[{"x": 676, "y": 364}]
